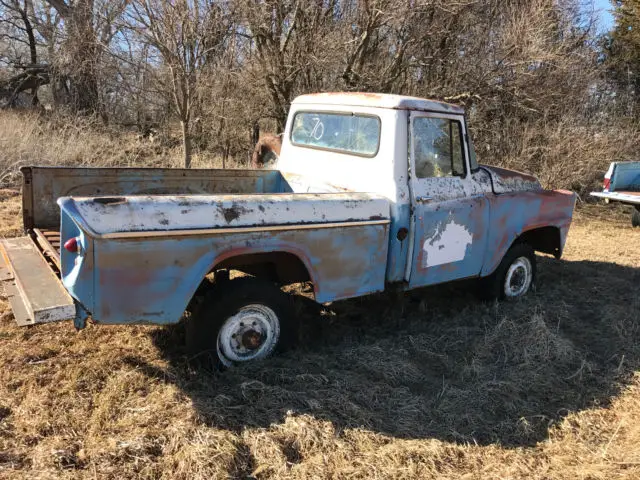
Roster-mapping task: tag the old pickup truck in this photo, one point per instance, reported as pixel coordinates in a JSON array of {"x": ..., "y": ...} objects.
[
  {"x": 370, "y": 192},
  {"x": 622, "y": 184}
]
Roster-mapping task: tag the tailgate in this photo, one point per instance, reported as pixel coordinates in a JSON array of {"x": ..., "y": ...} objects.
[{"x": 34, "y": 290}]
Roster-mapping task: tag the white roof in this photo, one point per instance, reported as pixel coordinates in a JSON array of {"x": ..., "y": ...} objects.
[{"x": 381, "y": 100}]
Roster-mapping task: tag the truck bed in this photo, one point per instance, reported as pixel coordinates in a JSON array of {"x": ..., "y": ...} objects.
[
  {"x": 30, "y": 265},
  {"x": 42, "y": 186},
  {"x": 620, "y": 196},
  {"x": 147, "y": 255},
  {"x": 210, "y": 214}
]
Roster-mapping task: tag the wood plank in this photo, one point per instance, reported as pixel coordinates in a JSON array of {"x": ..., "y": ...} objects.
[
  {"x": 48, "y": 248},
  {"x": 40, "y": 290},
  {"x": 53, "y": 236}
]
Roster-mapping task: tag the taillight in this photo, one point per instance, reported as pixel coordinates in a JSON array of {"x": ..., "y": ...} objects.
[
  {"x": 606, "y": 184},
  {"x": 72, "y": 245}
]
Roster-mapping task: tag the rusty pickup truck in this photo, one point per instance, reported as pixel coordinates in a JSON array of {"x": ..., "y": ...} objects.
[{"x": 370, "y": 192}]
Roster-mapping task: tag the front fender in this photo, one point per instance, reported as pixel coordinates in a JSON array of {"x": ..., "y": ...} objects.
[{"x": 514, "y": 214}]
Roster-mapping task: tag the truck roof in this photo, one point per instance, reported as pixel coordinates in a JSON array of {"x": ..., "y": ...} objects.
[{"x": 380, "y": 100}]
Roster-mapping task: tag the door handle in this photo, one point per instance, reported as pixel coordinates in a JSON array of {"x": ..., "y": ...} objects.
[{"x": 423, "y": 199}]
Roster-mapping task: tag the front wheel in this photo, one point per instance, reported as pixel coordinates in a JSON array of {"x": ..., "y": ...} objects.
[
  {"x": 635, "y": 217},
  {"x": 241, "y": 321},
  {"x": 514, "y": 277}
]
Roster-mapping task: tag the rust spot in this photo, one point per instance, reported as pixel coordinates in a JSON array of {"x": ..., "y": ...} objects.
[
  {"x": 506, "y": 174},
  {"x": 368, "y": 95},
  {"x": 110, "y": 200},
  {"x": 232, "y": 213}
]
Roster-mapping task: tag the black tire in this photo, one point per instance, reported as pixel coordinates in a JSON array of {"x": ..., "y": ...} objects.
[
  {"x": 635, "y": 217},
  {"x": 257, "y": 301},
  {"x": 493, "y": 287}
]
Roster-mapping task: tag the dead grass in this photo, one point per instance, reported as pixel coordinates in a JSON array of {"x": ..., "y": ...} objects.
[
  {"x": 30, "y": 139},
  {"x": 436, "y": 385}
]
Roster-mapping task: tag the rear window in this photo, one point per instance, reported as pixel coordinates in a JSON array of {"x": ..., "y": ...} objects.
[{"x": 349, "y": 133}]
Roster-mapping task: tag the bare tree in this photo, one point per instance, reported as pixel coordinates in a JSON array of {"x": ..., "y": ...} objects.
[
  {"x": 186, "y": 34},
  {"x": 377, "y": 42},
  {"x": 225, "y": 67},
  {"x": 76, "y": 60},
  {"x": 16, "y": 16},
  {"x": 288, "y": 40}
]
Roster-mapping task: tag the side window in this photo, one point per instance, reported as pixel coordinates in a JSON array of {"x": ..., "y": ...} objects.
[
  {"x": 438, "y": 148},
  {"x": 473, "y": 159}
]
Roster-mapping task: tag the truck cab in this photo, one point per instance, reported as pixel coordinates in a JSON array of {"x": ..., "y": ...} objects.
[{"x": 418, "y": 154}]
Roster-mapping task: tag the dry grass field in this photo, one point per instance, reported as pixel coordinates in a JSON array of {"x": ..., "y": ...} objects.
[
  {"x": 30, "y": 139},
  {"x": 434, "y": 385}
]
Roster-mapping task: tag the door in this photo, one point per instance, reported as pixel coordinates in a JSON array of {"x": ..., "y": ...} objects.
[{"x": 450, "y": 213}]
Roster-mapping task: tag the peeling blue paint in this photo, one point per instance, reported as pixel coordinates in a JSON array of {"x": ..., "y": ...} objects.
[
  {"x": 137, "y": 281},
  {"x": 625, "y": 176},
  {"x": 432, "y": 220}
]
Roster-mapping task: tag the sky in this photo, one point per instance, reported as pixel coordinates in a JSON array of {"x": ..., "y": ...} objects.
[{"x": 606, "y": 18}]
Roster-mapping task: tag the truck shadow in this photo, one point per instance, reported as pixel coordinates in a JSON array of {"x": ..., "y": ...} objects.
[{"x": 437, "y": 363}]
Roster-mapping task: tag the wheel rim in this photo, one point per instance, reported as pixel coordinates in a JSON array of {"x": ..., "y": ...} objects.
[
  {"x": 519, "y": 278},
  {"x": 251, "y": 334}
]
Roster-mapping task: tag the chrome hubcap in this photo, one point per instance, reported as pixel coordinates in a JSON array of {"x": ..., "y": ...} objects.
[
  {"x": 519, "y": 277},
  {"x": 251, "y": 334}
]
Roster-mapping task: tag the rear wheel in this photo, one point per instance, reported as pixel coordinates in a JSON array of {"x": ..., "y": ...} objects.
[
  {"x": 635, "y": 217},
  {"x": 514, "y": 277},
  {"x": 241, "y": 321}
]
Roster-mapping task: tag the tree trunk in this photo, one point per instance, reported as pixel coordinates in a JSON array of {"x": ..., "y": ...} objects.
[
  {"x": 83, "y": 44},
  {"x": 76, "y": 64},
  {"x": 186, "y": 143},
  {"x": 32, "y": 48}
]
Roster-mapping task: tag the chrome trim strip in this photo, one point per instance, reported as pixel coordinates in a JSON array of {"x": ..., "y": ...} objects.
[{"x": 220, "y": 231}]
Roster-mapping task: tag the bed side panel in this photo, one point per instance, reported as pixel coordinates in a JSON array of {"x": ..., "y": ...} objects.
[
  {"x": 152, "y": 280},
  {"x": 42, "y": 186}
]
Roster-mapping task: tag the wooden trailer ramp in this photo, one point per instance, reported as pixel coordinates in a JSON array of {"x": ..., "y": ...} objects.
[{"x": 33, "y": 288}]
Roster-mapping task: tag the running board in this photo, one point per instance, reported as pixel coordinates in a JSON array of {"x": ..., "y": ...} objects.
[{"x": 35, "y": 292}]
